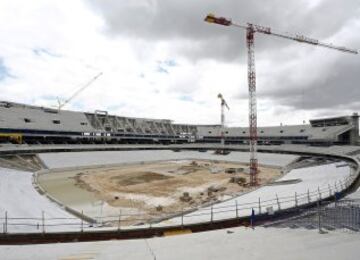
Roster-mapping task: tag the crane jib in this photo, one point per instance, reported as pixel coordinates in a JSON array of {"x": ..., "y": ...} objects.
[
  {"x": 262, "y": 29},
  {"x": 301, "y": 38},
  {"x": 251, "y": 29}
]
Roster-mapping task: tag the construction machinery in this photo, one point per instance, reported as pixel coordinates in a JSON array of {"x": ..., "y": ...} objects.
[
  {"x": 251, "y": 29},
  {"x": 11, "y": 137},
  {"x": 62, "y": 104},
  {"x": 223, "y": 105}
]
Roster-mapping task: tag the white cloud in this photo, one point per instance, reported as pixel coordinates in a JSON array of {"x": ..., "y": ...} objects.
[{"x": 54, "y": 47}]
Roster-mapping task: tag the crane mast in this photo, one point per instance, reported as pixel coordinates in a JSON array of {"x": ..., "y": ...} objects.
[
  {"x": 251, "y": 29},
  {"x": 250, "y": 33},
  {"x": 223, "y": 105}
]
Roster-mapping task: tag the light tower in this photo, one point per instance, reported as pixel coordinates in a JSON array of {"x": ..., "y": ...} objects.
[{"x": 251, "y": 29}]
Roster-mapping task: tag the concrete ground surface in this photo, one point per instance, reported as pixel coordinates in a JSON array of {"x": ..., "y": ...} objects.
[
  {"x": 235, "y": 243},
  {"x": 19, "y": 199},
  {"x": 75, "y": 159}
]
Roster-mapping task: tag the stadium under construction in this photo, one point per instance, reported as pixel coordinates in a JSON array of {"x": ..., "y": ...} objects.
[
  {"x": 20, "y": 123},
  {"x": 78, "y": 176},
  {"x": 178, "y": 191}
]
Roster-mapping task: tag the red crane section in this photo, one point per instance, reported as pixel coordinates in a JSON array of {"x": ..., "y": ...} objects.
[
  {"x": 251, "y": 29},
  {"x": 250, "y": 34}
]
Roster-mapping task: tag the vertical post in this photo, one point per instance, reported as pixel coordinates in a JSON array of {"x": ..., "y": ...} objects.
[
  {"x": 335, "y": 187},
  {"x": 308, "y": 196},
  {"x": 334, "y": 214},
  {"x": 341, "y": 218},
  {"x": 350, "y": 216},
  {"x": 319, "y": 193},
  {"x": 43, "y": 221},
  {"x": 236, "y": 208},
  {"x": 6, "y": 222},
  {"x": 259, "y": 206},
  {"x": 82, "y": 221},
  {"x": 353, "y": 216},
  {"x": 296, "y": 200},
  {"x": 252, "y": 218},
  {"x": 182, "y": 217},
  {"x": 356, "y": 218},
  {"x": 101, "y": 212},
  {"x": 278, "y": 202},
  {"x": 212, "y": 215},
  {"x": 119, "y": 222},
  {"x": 222, "y": 122},
  {"x": 347, "y": 217}
]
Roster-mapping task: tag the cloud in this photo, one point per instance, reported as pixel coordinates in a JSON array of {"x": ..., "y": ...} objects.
[
  {"x": 4, "y": 71},
  {"x": 290, "y": 74},
  {"x": 181, "y": 21},
  {"x": 42, "y": 51},
  {"x": 186, "y": 98},
  {"x": 54, "y": 48}
]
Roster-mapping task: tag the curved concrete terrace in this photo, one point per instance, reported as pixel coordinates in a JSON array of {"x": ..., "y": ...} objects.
[{"x": 314, "y": 151}]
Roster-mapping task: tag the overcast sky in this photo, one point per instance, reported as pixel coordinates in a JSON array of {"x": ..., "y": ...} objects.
[{"x": 161, "y": 60}]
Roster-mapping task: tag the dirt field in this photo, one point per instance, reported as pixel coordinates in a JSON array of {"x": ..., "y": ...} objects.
[{"x": 161, "y": 188}]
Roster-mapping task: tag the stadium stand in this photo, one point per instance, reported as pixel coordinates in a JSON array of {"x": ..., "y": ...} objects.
[
  {"x": 33, "y": 124},
  {"x": 326, "y": 131}
]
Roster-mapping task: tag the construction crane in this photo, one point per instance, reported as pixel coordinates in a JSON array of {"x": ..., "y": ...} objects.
[
  {"x": 251, "y": 29},
  {"x": 62, "y": 104},
  {"x": 223, "y": 105}
]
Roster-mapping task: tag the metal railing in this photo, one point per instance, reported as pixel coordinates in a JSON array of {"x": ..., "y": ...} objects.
[
  {"x": 343, "y": 215},
  {"x": 45, "y": 223}
]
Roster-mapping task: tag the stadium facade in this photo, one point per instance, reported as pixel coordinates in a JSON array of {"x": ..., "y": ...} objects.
[{"x": 34, "y": 124}]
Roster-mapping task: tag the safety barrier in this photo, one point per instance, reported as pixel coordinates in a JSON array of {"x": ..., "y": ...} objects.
[{"x": 343, "y": 215}]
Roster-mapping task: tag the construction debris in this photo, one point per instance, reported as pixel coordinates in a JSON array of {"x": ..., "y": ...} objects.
[
  {"x": 238, "y": 179},
  {"x": 185, "y": 197},
  {"x": 234, "y": 170}
]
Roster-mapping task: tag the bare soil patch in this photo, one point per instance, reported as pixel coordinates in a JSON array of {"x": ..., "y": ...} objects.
[
  {"x": 137, "y": 178},
  {"x": 161, "y": 189}
]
